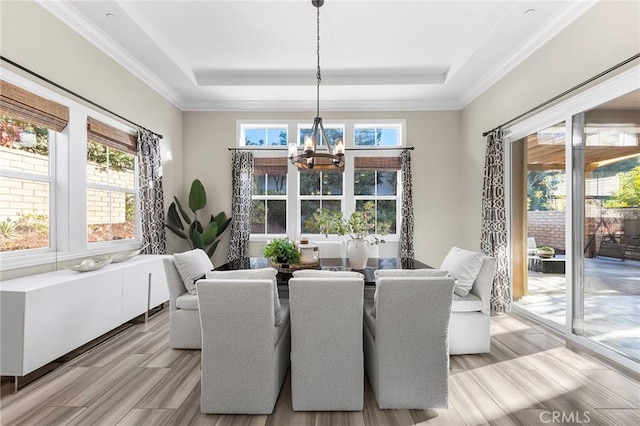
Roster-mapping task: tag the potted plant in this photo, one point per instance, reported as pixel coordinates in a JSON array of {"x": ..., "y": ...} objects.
[
  {"x": 282, "y": 252},
  {"x": 197, "y": 235},
  {"x": 546, "y": 252},
  {"x": 357, "y": 226}
]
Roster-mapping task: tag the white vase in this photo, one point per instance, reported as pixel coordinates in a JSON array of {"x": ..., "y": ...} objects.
[{"x": 358, "y": 252}]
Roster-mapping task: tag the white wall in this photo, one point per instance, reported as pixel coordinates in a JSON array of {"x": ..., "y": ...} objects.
[
  {"x": 37, "y": 40},
  {"x": 605, "y": 35},
  {"x": 436, "y": 171}
]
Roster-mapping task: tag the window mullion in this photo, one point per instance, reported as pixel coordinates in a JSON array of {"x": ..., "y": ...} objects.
[
  {"x": 77, "y": 173},
  {"x": 349, "y": 203}
]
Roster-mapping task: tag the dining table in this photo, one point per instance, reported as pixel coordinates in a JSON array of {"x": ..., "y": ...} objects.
[{"x": 329, "y": 264}]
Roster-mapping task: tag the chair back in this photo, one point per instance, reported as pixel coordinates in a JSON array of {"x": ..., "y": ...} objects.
[
  {"x": 327, "y": 366},
  {"x": 244, "y": 358},
  {"x": 176, "y": 286},
  {"x": 484, "y": 282},
  {"x": 411, "y": 338}
]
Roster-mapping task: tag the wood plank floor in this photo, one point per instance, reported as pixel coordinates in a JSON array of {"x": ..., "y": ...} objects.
[{"x": 529, "y": 378}]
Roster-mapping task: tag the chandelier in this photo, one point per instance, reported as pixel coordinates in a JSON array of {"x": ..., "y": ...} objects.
[{"x": 310, "y": 158}]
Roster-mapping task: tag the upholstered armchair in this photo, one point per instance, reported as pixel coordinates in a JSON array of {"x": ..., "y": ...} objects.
[
  {"x": 327, "y": 370},
  {"x": 469, "y": 329},
  {"x": 245, "y": 345},
  {"x": 184, "y": 320},
  {"x": 406, "y": 340}
]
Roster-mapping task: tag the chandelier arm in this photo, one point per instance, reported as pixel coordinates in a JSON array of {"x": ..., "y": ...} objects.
[{"x": 324, "y": 135}]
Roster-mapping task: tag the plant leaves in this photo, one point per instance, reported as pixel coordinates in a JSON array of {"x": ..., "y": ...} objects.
[
  {"x": 210, "y": 233},
  {"x": 184, "y": 214},
  {"x": 222, "y": 221},
  {"x": 197, "y": 196},
  {"x": 173, "y": 217},
  {"x": 213, "y": 248},
  {"x": 196, "y": 225},
  {"x": 177, "y": 231},
  {"x": 198, "y": 241}
]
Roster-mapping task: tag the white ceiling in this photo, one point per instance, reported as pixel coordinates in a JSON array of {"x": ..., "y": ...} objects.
[{"x": 375, "y": 55}]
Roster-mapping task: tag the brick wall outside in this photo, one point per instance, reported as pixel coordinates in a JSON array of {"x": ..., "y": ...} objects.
[
  {"x": 548, "y": 227},
  {"x": 18, "y": 197}
]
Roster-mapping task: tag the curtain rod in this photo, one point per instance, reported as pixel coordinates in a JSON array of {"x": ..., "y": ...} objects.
[
  {"x": 566, "y": 92},
  {"x": 71, "y": 92},
  {"x": 284, "y": 148}
]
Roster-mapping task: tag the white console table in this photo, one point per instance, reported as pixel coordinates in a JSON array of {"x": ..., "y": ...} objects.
[{"x": 45, "y": 316}]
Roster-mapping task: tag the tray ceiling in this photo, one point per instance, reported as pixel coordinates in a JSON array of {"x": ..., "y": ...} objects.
[{"x": 375, "y": 55}]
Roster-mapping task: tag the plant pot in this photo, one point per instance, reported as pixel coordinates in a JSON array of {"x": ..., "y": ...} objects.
[
  {"x": 546, "y": 253},
  {"x": 358, "y": 253}
]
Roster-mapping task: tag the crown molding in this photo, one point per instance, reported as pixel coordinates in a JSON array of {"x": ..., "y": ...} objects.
[
  {"x": 409, "y": 105},
  {"x": 360, "y": 77},
  {"x": 66, "y": 13},
  {"x": 526, "y": 49}
]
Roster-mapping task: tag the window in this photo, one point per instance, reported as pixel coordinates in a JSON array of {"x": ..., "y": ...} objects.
[
  {"x": 26, "y": 176},
  {"x": 376, "y": 189},
  {"x": 111, "y": 197},
  {"x": 284, "y": 199},
  {"x": 334, "y": 132},
  {"x": 269, "y": 196},
  {"x": 377, "y": 135},
  {"x": 64, "y": 193},
  {"x": 319, "y": 190},
  {"x": 29, "y": 123},
  {"x": 264, "y": 135},
  {"x": 111, "y": 183}
]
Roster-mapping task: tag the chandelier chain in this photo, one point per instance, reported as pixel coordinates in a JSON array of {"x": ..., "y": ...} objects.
[{"x": 318, "y": 73}]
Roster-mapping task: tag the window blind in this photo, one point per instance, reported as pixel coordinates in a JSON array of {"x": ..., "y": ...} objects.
[
  {"x": 377, "y": 163},
  {"x": 110, "y": 136},
  {"x": 263, "y": 166},
  {"x": 24, "y": 105}
]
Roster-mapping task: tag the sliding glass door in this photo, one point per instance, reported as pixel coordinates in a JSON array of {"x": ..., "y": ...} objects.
[
  {"x": 607, "y": 297},
  {"x": 575, "y": 188},
  {"x": 541, "y": 287}
]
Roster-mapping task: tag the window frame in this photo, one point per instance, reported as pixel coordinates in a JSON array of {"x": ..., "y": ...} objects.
[
  {"x": 49, "y": 178},
  {"x": 242, "y": 125},
  {"x": 348, "y": 199},
  {"x": 266, "y": 198},
  {"x": 68, "y": 188},
  {"x": 375, "y": 197},
  {"x": 112, "y": 188}
]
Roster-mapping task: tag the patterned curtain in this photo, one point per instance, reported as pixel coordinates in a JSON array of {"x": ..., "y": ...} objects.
[
  {"x": 494, "y": 221},
  {"x": 406, "y": 237},
  {"x": 151, "y": 193},
  {"x": 241, "y": 184}
]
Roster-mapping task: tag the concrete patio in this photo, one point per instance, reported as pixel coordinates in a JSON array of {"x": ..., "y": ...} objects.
[{"x": 611, "y": 302}]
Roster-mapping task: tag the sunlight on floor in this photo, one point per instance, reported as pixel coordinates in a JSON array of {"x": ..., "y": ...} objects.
[{"x": 611, "y": 302}]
